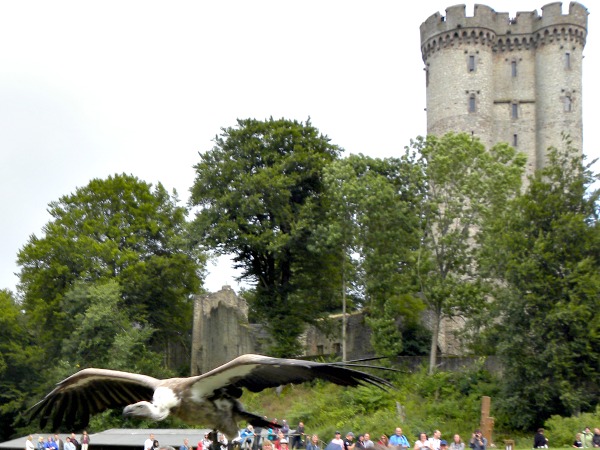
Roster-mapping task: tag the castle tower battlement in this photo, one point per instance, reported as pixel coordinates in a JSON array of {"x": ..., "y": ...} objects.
[{"x": 503, "y": 79}]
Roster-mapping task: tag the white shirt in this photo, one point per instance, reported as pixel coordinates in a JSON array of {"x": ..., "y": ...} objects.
[
  {"x": 29, "y": 445},
  {"x": 148, "y": 444},
  {"x": 434, "y": 443},
  {"x": 338, "y": 442}
]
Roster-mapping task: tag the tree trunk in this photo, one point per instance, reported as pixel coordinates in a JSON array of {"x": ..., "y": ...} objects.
[{"x": 434, "y": 341}]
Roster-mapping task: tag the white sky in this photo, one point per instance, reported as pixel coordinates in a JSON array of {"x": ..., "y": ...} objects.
[{"x": 90, "y": 89}]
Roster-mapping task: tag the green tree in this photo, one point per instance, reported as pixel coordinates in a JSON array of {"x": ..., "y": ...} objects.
[
  {"x": 259, "y": 196},
  {"x": 20, "y": 361},
  {"x": 465, "y": 185},
  {"x": 373, "y": 225},
  {"x": 545, "y": 250},
  {"x": 122, "y": 229}
]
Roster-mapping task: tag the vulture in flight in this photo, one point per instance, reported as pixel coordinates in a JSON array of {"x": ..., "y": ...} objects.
[{"x": 209, "y": 400}]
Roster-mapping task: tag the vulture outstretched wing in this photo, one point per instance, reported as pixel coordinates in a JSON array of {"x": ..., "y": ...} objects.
[
  {"x": 91, "y": 391},
  {"x": 256, "y": 372}
]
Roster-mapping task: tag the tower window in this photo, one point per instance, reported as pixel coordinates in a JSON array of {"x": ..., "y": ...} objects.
[
  {"x": 472, "y": 103},
  {"x": 515, "y": 140},
  {"x": 471, "y": 64},
  {"x": 568, "y": 103},
  {"x": 515, "y": 110},
  {"x": 513, "y": 69},
  {"x": 567, "y": 60}
]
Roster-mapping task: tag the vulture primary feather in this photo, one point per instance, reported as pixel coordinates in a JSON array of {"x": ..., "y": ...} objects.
[{"x": 209, "y": 400}]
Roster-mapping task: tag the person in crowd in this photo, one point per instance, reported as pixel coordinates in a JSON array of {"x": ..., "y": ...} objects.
[
  {"x": 59, "y": 442},
  {"x": 40, "y": 443},
  {"x": 51, "y": 444},
  {"x": 443, "y": 444},
  {"x": 338, "y": 439},
  {"x": 314, "y": 443},
  {"x": 586, "y": 437},
  {"x": 596, "y": 438},
  {"x": 398, "y": 439},
  {"x": 155, "y": 445},
  {"x": 247, "y": 437},
  {"x": 68, "y": 444},
  {"x": 368, "y": 442},
  {"x": 185, "y": 445},
  {"x": 298, "y": 436},
  {"x": 422, "y": 443},
  {"x": 29, "y": 445},
  {"x": 384, "y": 441},
  {"x": 257, "y": 442},
  {"x": 283, "y": 444},
  {"x": 349, "y": 441},
  {"x": 478, "y": 442},
  {"x": 457, "y": 443},
  {"x": 205, "y": 443},
  {"x": 577, "y": 443},
  {"x": 222, "y": 440},
  {"x": 285, "y": 429},
  {"x": 149, "y": 443},
  {"x": 75, "y": 442},
  {"x": 434, "y": 441},
  {"x": 360, "y": 442},
  {"x": 85, "y": 440},
  {"x": 267, "y": 445},
  {"x": 539, "y": 440}
]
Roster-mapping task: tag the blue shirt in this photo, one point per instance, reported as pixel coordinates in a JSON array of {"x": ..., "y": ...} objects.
[{"x": 399, "y": 440}]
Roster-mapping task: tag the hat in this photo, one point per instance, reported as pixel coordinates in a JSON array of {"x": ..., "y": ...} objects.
[
  {"x": 337, "y": 432},
  {"x": 442, "y": 442},
  {"x": 283, "y": 441},
  {"x": 350, "y": 433}
]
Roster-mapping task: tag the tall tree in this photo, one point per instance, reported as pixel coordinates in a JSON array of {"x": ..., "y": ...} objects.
[
  {"x": 465, "y": 185},
  {"x": 20, "y": 361},
  {"x": 119, "y": 228},
  {"x": 259, "y": 196},
  {"x": 545, "y": 250},
  {"x": 373, "y": 226}
]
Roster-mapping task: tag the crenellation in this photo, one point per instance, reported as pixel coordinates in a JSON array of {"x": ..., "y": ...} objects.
[{"x": 516, "y": 80}]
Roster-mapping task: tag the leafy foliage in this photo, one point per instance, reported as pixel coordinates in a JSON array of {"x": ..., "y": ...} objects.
[
  {"x": 546, "y": 251},
  {"x": 120, "y": 229},
  {"x": 259, "y": 197},
  {"x": 465, "y": 185}
]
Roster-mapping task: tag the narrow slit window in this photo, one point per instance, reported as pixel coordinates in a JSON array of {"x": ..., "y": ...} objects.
[
  {"x": 514, "y": 110},
  {"x": 515, "y": 140},
  {"x": 568, "y": 103},
  {"x": 567, "y": 60},
  {"x": 513, "y": 69},
  {"x": 471, "y": 63},
  {"x": 472, "y": 104}
]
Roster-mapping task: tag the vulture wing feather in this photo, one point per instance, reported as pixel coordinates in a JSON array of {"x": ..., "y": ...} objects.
[{"x": 91, "y": 391}]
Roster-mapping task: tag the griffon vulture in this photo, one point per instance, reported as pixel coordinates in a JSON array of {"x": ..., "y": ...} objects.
[{"x": 209, "y": 400}]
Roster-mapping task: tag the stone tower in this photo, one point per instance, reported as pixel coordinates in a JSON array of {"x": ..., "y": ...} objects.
[{"x": 506, "y": 80}]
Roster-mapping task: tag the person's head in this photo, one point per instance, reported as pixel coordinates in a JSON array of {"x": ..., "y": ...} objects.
[
  {"x": 151, "y": 436},
  {"x": 338, "y": 435},
  {"x": 457, "y": 438},
  {"x": 56, "y": 436},
  {"x": 597, "y": 430},
  {"x": 68, "y": 439},
  {"x": 40, "y": 438},
  {"x": 30, "y": 438},
  {"x": 186, "y": 442},
  {"x": 398, "y": 431},
  {"x": 283, "y": 443},
  {"x": 73, "y": 435},
  {"x": 540, "y": 431},
  {"x": 350, "y": 435},
  {"x": 437, "y": 434},
  {"x": 477, "y": 433},
  {"x": 384, "y": 438},
  {"x": 367, "y": 437},
  {"x": 84, "y": 432},
  {"x": 155, "y": 444},
  {"x": 315, "y": 438},
  {"x": 267, "y": 445},
  {"x": 422, "y": 437},
  {"x": 361, "y": 437},
  {"x": 578, "y": 436},
  {"x": 443, "y": 445}
]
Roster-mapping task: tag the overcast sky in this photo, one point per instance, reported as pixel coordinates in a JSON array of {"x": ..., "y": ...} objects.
[{"x": 91, "y": 89}]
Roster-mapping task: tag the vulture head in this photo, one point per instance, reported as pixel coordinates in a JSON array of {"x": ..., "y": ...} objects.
[{"x": 209, "y": 400}]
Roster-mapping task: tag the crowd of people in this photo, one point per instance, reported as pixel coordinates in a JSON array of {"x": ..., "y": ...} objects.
[{"x": 56, "y": 443}]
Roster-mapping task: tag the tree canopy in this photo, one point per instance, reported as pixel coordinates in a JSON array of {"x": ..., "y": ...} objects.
[
  {"x": 259, "y": 196},
  {"x": 545, "y": 250},
  {"x": 119, "y": 228}
]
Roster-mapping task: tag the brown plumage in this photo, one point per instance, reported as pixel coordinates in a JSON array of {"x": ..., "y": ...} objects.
[{"x": 209, "y": 400}]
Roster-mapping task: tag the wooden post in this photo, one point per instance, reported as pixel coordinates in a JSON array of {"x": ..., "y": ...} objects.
[{"x": 487, "y": 422}]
